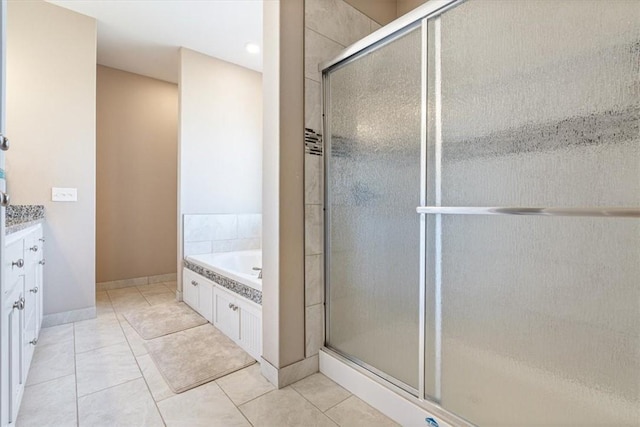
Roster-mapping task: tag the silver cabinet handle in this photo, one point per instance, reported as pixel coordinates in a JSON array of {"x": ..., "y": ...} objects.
[
  {"x": 41, "y": 239},
  {"x": 235, "y": 307},
  {"x": 230, "y": 305},
  {"x": 19, "y": 304},
  {"x": 194, "y": 283},
  {"x": 4, "y": 143},
  {"x": 4, "y": 199},
  {"x": 19, "y": 263},
  {"x": 34, "y": 341},
  {"x": 41, "y": 262},
  {"x": 34, "y": 290},
  {"x": 34, "y": 248}
]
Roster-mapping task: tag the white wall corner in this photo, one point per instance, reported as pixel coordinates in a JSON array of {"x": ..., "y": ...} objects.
[{"x": 289, "y": 374}]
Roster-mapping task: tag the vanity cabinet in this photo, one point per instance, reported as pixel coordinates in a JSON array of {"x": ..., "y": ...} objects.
[
  {"x": 239, "y": 319},
  {"x": 197, "y": 292},
  {"x": 21, "y": 315},
  {"x": 236, "y": 316}
]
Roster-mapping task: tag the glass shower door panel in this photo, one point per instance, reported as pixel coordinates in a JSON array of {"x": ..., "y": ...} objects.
[
  {"x": 541, "y": 320},
  {"x": 541, "y": 103},
  {"x": 539, "y": 108},
  {"x": 374, "y": 188}
]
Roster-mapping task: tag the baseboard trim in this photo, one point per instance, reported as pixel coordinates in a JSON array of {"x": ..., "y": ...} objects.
[
  {"x": 68, "y": 317},
  {"x": 136, "y": 281},
  {"x": 289, "y": 374}
]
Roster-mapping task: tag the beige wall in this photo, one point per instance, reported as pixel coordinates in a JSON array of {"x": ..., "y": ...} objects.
[
  {"x": 405, "y": 6},
  {"x": 381, "y": 11},
  {"x": 51, "y": 110},
  {"x": 136, "y": 183}
]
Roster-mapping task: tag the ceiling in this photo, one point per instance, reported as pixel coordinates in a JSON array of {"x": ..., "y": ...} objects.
[{"x": 143, "y": 36}]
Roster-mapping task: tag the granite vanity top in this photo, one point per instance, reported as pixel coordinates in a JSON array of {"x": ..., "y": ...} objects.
[{"x": 19, "y": 217}]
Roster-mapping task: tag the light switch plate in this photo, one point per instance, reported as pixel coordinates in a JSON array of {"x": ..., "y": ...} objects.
[{"x": 64, "y": 194}]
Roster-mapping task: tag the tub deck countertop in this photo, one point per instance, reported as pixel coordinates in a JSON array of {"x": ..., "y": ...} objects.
[{"x": 231, "y": 270}]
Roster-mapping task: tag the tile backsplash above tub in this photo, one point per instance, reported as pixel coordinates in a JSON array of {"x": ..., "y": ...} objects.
[{"x": 210, "y": 233}]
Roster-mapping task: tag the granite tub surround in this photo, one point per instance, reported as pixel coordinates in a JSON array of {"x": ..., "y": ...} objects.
[
  {"x": 19, "y": 217},
  {"x": 236, "y": 287},
  {"x": 213, "y": 233}
]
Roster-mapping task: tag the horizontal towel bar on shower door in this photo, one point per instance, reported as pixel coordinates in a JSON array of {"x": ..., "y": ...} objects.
[{"x": 593, "y": 212}]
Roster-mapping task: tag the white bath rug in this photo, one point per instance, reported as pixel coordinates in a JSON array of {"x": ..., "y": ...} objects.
[
  {"x": 163, "y": 319},
  {"x": 196, "y": 356}
]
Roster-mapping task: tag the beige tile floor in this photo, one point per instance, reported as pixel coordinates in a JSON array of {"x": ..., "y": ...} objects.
[{"x": 98, "y": 373}]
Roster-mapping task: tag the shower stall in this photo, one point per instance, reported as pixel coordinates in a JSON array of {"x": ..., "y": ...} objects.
[{"x": 482, "y": 202}]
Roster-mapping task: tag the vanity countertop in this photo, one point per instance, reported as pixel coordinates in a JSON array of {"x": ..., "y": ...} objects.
[{"x": 19, "y": 217}]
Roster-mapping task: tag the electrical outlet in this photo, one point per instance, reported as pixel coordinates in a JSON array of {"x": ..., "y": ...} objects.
[{"x": 64, "y": 194}]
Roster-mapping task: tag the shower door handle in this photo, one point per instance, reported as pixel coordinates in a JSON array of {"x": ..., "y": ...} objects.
[{"x": 536, "y": 211}]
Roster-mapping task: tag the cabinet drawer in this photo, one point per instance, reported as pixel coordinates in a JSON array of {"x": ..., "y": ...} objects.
[
  {"x": 14, "y": 264},
  {"x": 33, "y": 247}
]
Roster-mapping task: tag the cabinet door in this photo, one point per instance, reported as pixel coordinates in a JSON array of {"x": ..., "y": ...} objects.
[
  {"x": 226, "y": 314},
  {"x": 205, "y": 299},
  {"x": 190, "y": 294},
  {"x": 13, "y": 321},
  {"x": 251, "y": 330}
]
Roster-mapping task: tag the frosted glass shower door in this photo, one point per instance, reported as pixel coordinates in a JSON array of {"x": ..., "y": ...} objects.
[
  {"x": 373, "y": 110},
  {"x": 535, "y": 320}
]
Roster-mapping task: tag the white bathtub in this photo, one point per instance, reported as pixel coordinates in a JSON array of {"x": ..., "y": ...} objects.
[{"x": 237, "y": 266}]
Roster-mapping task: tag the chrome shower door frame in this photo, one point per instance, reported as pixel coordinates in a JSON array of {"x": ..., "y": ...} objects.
[{"x": 382, "y": 37}]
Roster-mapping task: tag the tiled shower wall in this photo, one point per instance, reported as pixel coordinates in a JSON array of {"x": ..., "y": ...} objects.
[
  {"x": 330, "y": 26},
  {"x": 211, "y": 233}
]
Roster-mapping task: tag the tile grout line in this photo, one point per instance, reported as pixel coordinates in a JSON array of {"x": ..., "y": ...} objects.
[
  {"x": 48, "y": 381},
  {"x": 321, "y": 411},
  {"x": 231, "y": 400},
  {"x": 155, "y": 403},
  {"x": 343, "y": 400},
  {"x": 254, "y": 398},
  {"x": 75, "y": 355},
  {"x": 101, "y": 347},
  {"x": 110, "y": 387},
  {"x": 329, "y": 38}
]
